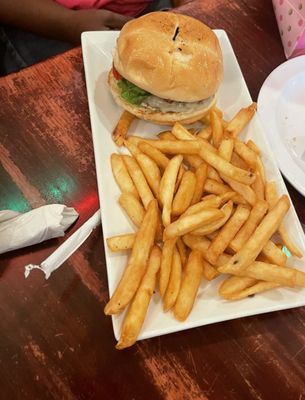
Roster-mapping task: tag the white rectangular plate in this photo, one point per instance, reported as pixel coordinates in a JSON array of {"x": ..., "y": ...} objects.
[{"x": 104, "y": 113}]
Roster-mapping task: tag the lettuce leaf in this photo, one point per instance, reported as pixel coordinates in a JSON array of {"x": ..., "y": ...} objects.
[{"x": 132, "y": 93}]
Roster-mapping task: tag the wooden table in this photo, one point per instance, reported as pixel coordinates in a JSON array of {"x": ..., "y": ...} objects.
[{"x": 56, "y": 342}]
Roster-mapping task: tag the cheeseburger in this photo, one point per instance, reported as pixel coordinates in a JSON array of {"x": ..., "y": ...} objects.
[{"x": 167, "y": 67}]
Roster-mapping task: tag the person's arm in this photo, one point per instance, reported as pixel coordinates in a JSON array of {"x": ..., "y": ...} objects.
[{"x": 48, "y": 18}]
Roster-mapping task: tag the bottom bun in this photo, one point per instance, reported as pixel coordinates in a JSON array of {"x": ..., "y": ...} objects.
[{"x": 157, "y": 117}]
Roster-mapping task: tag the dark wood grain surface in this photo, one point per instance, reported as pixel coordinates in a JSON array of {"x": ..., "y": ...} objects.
[{"x": 55, "y": 341}]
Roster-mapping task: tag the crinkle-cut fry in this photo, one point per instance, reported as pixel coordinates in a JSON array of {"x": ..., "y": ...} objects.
[
  {"x": 166, "y": 263},
  {"x": 174, "y": 282},
  {"x": 188, "y": 223},
  {"x": 214, "y": 187},
  {"x": 121, "y": 242},
  {"x": 256, "y": 215},
  {"x": 133, "y": 208},
  {"x": 120, "y": 131},
  {"x": 159, "y": 158},
  {"x": 214, "y": 226},
  {"x": 189, "y": 286},
  {"x": 272, "y": 197},
  {"x": 184, "y": 194},
  {"x": 249, "y": 156},
  {"x": 240, "y": 120},
  {"x": 167, "y": 187},
  {"x": 137, "y": 261},
  {"x": 151, "y": 172},
  {"x": 121, "y": 175},
  {"x": 223, "y": 166},
  {"x": 201, "y": 176},
  {"x": 139, "y": 180},
  {"x": 217, "y": 128},
  {"x": 264, "y": 231},
  {"x": 136, "y": 313},
  {"x": 132, "y": 148},
  {"x": 227, "y": 233}
]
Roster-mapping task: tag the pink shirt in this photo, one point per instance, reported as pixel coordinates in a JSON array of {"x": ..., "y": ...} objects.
[{"x": 126, "y": 7}]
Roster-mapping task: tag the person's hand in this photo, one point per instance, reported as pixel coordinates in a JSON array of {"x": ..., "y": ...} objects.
[{"x": 93, "y": 20}]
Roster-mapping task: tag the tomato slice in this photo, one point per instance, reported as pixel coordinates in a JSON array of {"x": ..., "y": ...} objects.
[{"x": 116, "y": 73}]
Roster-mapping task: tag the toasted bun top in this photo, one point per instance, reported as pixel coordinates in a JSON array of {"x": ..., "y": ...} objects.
[{"x": 170, "y": 55}]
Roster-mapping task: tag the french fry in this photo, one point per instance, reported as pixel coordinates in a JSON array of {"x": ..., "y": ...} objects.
[
  {"x": 189, "y": 286},
  {"x": 209, "y": 272},
  {"x": 253, "y": 147},
  {"x": 133, "y": 208},
  {"x": 225, "y": 167},
  {"x": 182, "y": 250},
  {"x": 121, "y": 242},
  {"x": 120, "y": 131},
  {"x": 132, "y": 148},
  {"x": 214, "y": 226},
  {"x": 211, "y": 202},
  {"x": 166, "y": 135},
  {"x": 191, "y": 222},
  {"x": 166, "y": 263},
  {"x": 251, "y": 249},
  {"x": 259, "y": 187},
  {"x": 136, "y": 313},
  {"x": 227, "y": 233},
  {"x": 256, "y": 215},
  {"x": 159, "y": 158},
  {"x": 247, "y": 154},
  {"x": 174, "y": 282},
  {"x": 243, "y": 190},
  {"x": 240, "y": 120},
  {"x": 274, "y": 273},
  {"x": 139, "y": 180},
  {"x": 135, "y": 268},
  {"x": 122, "y": 176},
  {"x": 258, "y": 287},
  {"x": 271, "y": 197},
  {"x": 201, "y": 176},
  {"x": 205, "y": 133},
  {"x": 273, "y": 254},
  {"x": 185, "y": 192},
  {"x": 171, "y": 146},
  {"x": 213, "y": 174},
  {"x": 167, "y": 187},
  {"x": 238, "y": 162},
  {"x": 151, "y": 172},
  {"x": 225, "y": 149},
  {"x": 218, "y": 188},
  {"x": 233, "y": 285},
  {"x": 217, "y": 129},
  {"x": 180, "y": 132}
]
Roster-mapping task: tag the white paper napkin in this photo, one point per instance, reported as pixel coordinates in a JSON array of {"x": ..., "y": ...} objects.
[
  {"x": 64, "y": 251},
  {"x": 19, "y": 230}
]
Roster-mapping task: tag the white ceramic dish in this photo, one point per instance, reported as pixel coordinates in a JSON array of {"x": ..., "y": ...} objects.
[
  {"x": 281, "y": 107},
  {"x": 104, "y": 113}
]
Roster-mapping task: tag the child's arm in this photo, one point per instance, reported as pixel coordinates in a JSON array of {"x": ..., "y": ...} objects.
[{"x": 48, "y": 18}]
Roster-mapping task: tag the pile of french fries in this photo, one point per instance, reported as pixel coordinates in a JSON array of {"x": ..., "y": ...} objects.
[{"x": 202, "y": 207}]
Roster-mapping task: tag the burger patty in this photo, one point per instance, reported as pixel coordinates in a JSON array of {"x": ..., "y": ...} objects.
[{"x": 158, "y": 104}]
